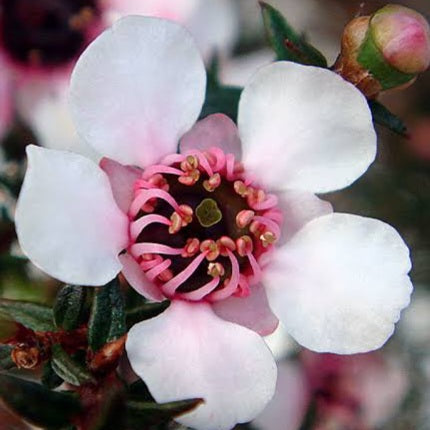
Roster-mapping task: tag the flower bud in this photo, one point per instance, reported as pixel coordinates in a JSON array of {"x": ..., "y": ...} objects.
[
  {"x": 386, "y": 50},
  {"x": 403, "y": 37}
]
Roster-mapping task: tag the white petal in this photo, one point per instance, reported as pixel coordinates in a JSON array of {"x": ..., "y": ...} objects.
[
  {"x": 287, "y": 409},
  {"x": 178, "y": 10},
  {"x": 137, "y": 89},
  {"x": 252, "y": 312},
  {"x": 188, "y": 352},
  {"x": 340, "y": 283},
  {"x": 66, "y": 219},
  {"x": 214, "y": 130},
  {"x": 305, "y": 128},
  {"x": 299, "y": 208}
]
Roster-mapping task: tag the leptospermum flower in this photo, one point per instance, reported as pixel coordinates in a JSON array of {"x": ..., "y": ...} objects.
[{"x": 228, "y": 229}]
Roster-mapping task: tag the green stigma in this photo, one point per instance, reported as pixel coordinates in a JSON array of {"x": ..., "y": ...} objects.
[{"x": 208, "y": 213}]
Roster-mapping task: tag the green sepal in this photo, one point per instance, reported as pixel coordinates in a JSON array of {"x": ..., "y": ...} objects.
[
  {"x": 49, "y": 378},
  {"x": 37, "y": 404},
  {"x": 107, "y": 321},
  {"x": 69, "y": 307},
  {"x": 382, "y": 116},
  {"x": 145, "y": 311},
  {"x": 142, "y": 414},
  {"x": 286, "y": 42},
  {"x": 31, "y": 315},
  {"x": 6, "y": 361},
  {"x": 69, "y": 369},
  {"x": 371, "y": 58}
]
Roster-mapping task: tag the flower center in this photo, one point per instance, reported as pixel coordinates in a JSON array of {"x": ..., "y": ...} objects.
[
  {"x": 199, "y": 226},
  {"x": 45, "y": 32}
]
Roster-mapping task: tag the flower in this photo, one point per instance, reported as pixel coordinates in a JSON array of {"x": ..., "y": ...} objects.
[
  {"x": 386, "y": 50},
  {"x": 201, "y": 227}
]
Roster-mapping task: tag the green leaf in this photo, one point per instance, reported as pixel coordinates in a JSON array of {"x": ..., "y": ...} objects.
[
  {"x": 145, "y": 311},
  {"x": 107, "y": 320},
  {"x": 141, "y": 414},
  {"x": 382, "y": 116},
  {"x": 139, "y": 391},
  {"x": 69, "y": 369},
  {"x": 31, "y": 315},
  {"x": 221, "y": 99},
  {"x": 69, "y": 307},
  {"x": 286, "y": 42},
  {"x": 6, "y": 361},
  {"x": 37, "y": 404},
  {"x": 49, "y": 378}
]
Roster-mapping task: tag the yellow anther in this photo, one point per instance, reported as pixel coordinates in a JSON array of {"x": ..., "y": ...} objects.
[
  {"x": 212, "y": 183},
  {"x": 267, "y": 238},
  {"x": 215, "y": 269},
  {"x": 244, "y": 245},
  {"x": 240, "y": 188},
  {"x": 243, "y": 218}
]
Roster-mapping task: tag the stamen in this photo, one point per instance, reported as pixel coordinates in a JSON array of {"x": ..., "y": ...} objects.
[
  {"x": 160, "y": 168},
  {"x": 138, "y": 226},
  {"x": 171, "y": 286},
  {"x": 244, "y": 245},
  {"x": 157, "y": 270},
  {"x": 267, "y": 238},
  {"x": 226, "y": 243},
  {"x": 270, "y": 202},
  {"x": 270, "y": 224},
  {"x": 211, "y": 249},
  {"x": 146, "y": 265},
  {"x": 216, "y": 269},
  {"x": 155, "y": 248},
  {"x": 243, "y": 218},
  {"x": 212, "y": 183},
  {"x": 191, "y": 248},
  {"x": 255, "y": 268},
  {"x": 240, "y": 188},
  {"x": 231, "y": 284},
  {"x": 189, "y": 178},
  {"x": 201, "y": 292},
  {"x": 146, "y": 195},
  {"x": 190, "y": 163}
]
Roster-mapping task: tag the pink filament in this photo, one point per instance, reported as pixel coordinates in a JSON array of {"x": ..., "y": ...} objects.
[
  {"x": 256, "y": 269},
  {"x": 145, "y": 195},
  {"x": 200, "y": 293},
  {"x": 146, "y": 265},
  {"x": 220, "y": 158},
  {"x": 155, "y": 271},
  {"x": 139, "y": 249},
  {"x": 270, "y": 224},
  {"x": 138, "y": 226},
  {"x": 231, "y": 286},
  {"x": 160, "y": 168},
  {"x": 270, "y": 202},
  {"x": 171, "y": 286}
]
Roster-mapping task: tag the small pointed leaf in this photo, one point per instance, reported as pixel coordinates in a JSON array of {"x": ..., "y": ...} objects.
[
  {"x": 382, "y": 116},
  {"x": 145, "y": 311},
  {"x": 141, "y": 414},
  {"x": 221, "y": 99},
  {"x": 286, "y": 42},
  {"x": 69, "y": 369},
  {"x": 107, "y": 320},
  {"x": 37, "y": 404},
  {"x": 69, "y": 307},
  {"x": 50, "y": 379},
  {"x": 6, "y": 361},
  {"x": 31, "y": 315}
]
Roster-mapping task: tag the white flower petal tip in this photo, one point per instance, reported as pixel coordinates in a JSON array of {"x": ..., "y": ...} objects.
[
  {"x": 214, "y": 130},
  {"x": 340, "y": 283},
  {"x": 189, "y": 352},
  {"x": 305, "y": 128},
  {"x": 67, "y": 221},
  {"x": 137, "y": 89}
]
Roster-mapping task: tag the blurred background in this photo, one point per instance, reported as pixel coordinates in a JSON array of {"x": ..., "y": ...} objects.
[{"x": 39, "y": 42}]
